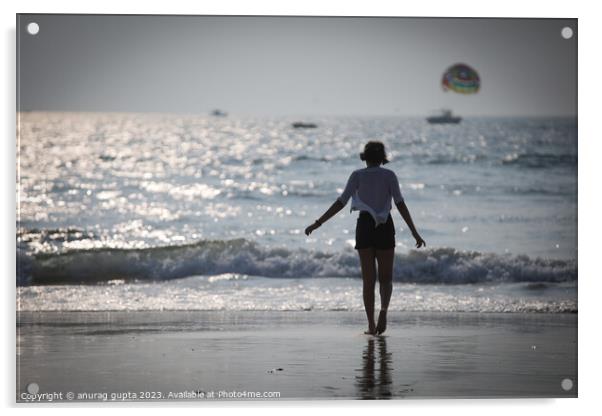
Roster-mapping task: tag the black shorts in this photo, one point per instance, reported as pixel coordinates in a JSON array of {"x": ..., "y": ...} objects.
[{"x": 369, "y": 236}]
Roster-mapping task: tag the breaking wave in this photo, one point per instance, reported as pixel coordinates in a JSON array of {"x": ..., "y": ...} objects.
[{"x": 214, "y": 257}]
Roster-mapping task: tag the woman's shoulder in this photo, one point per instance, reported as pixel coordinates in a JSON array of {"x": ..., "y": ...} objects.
[
  {"x": 387, "y": 172},
  {"x": 382, "y": 170},
  {"x": 358, "y": 171}
]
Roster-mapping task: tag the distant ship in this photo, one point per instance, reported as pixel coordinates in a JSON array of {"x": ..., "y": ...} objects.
[
  {"x": 219, "y": 113},
  {"x": 302, "y": 125},
  {"x": 446, "y": 117}
]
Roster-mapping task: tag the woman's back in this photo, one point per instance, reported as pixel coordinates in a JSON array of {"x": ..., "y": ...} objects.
[{"x": 372, "y": 189}]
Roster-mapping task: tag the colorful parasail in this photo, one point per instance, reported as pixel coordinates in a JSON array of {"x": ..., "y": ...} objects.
[{"x": 462, "y": 79}]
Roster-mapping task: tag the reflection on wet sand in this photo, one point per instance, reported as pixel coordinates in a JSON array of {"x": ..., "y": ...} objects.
[{"x": 373, "y": 382}]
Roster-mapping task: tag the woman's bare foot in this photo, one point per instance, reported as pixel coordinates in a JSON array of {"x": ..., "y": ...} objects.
[
  {"x": 371, "y": 330},
  {"x": 381, "y": 327}
]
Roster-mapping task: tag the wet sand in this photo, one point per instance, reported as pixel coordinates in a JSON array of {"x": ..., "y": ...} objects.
[{"x": 109, "y": 356}]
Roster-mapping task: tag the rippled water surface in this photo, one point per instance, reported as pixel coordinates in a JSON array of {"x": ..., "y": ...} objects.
[{"x": 158, "y": 196}]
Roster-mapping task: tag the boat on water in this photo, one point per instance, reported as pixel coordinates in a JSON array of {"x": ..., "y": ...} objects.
[
  {"x": 219, "y": 113},
  {"x": 303, "y": 125},
  {"x": 445, "y": 117}
]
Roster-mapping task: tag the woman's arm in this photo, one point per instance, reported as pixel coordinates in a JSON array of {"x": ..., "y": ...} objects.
[
  {"x": 405, "y": 214},
  {"x": 334, "y": 208},
  {"x": 352, "y": 184}
]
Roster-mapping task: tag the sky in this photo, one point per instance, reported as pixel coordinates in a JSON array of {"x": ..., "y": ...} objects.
[{"x": 279, "y": 66}]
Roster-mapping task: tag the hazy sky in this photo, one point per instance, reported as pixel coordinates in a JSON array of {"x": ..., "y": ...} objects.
[{"x": 294, "y": 65}]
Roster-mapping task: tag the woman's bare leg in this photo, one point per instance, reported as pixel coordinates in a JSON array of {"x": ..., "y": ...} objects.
[
  {"x": 385, "y": 282},
  {"x": 367, "y": 257}
]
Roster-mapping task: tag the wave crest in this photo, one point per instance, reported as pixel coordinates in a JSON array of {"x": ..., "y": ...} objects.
[{"x": 214, "y": 257}]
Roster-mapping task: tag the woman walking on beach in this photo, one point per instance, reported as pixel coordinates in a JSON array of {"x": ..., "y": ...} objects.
[{"x": 371, "y": 190}]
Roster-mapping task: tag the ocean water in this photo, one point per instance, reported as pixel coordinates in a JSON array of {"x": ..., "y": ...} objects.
[{"x": 133, "y": 211}]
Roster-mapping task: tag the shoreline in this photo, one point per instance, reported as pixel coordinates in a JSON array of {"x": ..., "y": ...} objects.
[{"x": 236, "y": 292}]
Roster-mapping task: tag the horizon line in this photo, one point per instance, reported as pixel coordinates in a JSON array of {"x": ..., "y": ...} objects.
[{"x": 301, "y": 115}]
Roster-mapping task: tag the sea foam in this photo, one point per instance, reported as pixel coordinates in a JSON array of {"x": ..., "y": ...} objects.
[{"x": 215, "y": 257}]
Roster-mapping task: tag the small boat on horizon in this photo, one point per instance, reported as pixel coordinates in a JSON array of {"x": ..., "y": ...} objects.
[
  {"x": 303, "y": 125},
  {"x": 218, "y": 113},
  {"x": 445, "y": 117}
]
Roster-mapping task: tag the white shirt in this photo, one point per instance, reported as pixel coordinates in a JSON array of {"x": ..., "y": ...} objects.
[{"x": 371, "y": 190}]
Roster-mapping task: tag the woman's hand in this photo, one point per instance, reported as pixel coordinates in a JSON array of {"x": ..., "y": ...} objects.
[
  {"x": 419, "y": 241},
  {"x": 312, "y": 227}
]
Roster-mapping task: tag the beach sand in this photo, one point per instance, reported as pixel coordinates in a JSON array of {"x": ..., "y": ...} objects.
[{"x": 300, "y": 355}]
